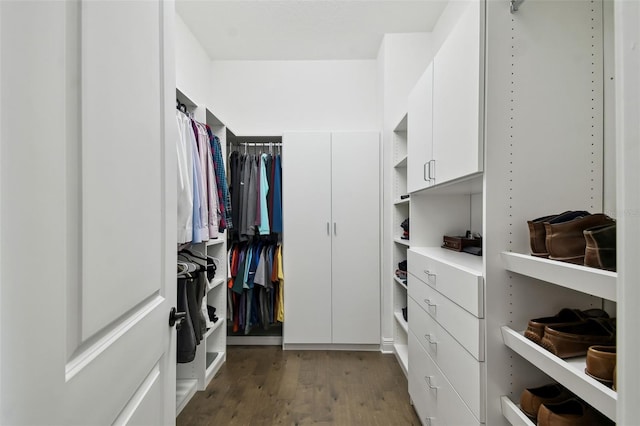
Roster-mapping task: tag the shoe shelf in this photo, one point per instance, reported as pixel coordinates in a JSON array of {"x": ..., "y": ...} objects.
[
  {"x": 401, "y": 241},
  {"x": 399, "y": 202},
  {"x": 401, "y": 321},
  {"x": 402, "y": 354},
  {"x": 401, "y": 163},
  {"x": 214, "y": 362},
  {"x": 215, "y": 283},
  {"x": 512, "y": 412},
  {"x": 569, "y": 373},
  {"x": 185, "y": 389},
  {"x": 597, "y": 282},
  {"x": 399, "y": 281}
]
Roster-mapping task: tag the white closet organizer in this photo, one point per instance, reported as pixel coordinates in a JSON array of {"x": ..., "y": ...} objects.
[
  {"x": 211, "y": 352},
  {"x": 400, "y": 213},
  {"x": 331, "y": 205},
  {"x": 536, "y": 149}
]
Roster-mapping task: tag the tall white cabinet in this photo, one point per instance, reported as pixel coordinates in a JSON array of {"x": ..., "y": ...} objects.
[{"x": 331, "y": 205}]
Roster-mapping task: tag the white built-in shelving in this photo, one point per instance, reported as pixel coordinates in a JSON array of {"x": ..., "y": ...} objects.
[
  {"x": 512, "y": 412},
  {"x": 401, "y": 321},
  {"x": 185, "y": 389},
  {"x": 400, "y": 282},
  {"x": 402, "y": 241},
  {"x": 402, "y": 355}
]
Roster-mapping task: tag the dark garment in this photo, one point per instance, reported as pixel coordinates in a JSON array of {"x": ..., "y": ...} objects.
[
  {"x": 277, "y": 197},
  {"x": 192, "y": 303},
  {"x": 186, "y": 338}
]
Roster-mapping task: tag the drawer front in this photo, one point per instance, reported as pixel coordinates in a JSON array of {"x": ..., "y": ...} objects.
[
  {"x": 441, "y": 403},
  {"x": 462, "y": 370},
  {"x": 462, "y": 287},
  {"x": 467, "y": 329}
]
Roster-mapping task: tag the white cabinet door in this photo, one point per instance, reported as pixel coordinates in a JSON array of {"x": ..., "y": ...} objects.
[
  {"x": 88, "y": 203},
  {"x": 306, "y": 199},
  {"x": 457, "y": 147},
  {"x": 356, "y": 238},
  {"x": 420, "y": 132}
]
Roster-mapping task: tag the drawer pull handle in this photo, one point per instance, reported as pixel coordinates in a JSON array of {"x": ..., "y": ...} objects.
[
  {"x": 429, "y": 420},
  {"x": 430, "y": 304},
  {"x": 431, "y": 385},
  {"x": 430, "y": 340}
]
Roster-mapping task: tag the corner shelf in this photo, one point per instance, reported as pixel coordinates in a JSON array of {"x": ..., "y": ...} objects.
[
  {"x": 569, "y": 373},
  {"x": 513, "y": 414},
  {"x": 596, "y": 282},
  {"x": 401, "y": 202},
  {"x": 399, "y": 281},
  {"x": 215, "y": 283},
  {"x": 185, "y": 389},
  {"x": 402, "y": 354},
  {"x": 401, "y": 321},
  {"x": 401, "y": 241}
]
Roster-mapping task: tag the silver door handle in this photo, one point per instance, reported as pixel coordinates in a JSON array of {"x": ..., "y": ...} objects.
[
  {"x": 432, "y": 170},
  {"x": 424, "y": 171},
  {"x": 335, "y": 232},
  {"x": 328, "y": 229}
]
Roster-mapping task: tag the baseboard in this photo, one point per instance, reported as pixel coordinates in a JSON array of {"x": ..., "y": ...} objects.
[
  {"x": 387, "y": 346},
  {"x": 254, "y": 340},
  {"x": 328, "y": 347}
]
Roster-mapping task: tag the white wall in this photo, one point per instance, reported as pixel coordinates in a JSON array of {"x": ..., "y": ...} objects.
[
  {"x": 192, "y": 64},
  {"x": 270, "y": 97},
  {"x": 401, "y": 61}
]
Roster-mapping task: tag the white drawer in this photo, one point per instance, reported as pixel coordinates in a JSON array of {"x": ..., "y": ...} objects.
[
  {"x": 429, "y": 389},
  {"x": 463, "y": 371},
  {"x": 456, "y": 275},
  {"x": 467, "y": 329}
]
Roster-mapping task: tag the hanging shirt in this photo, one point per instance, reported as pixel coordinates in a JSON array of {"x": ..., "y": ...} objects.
[
  {"x": 263, "y": 228},
  {"x": 198, "y": 224},
  {"x": 277, "y": 196},
  {"x": 185, "y": 181},
  {"x": 280, "y": 308}
]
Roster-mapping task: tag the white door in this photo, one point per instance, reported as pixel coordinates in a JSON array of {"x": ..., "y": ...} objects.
[
  {"x": 420, "y": 132},
  {"x": 457, "y": 149},
  {"x": 306, "y": 205},
  {"x": 356, "y": 237},
  {"x": 88, "y": 212}
]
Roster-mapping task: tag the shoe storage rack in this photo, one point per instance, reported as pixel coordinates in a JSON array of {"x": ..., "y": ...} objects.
[
  {"x": 400, "y": 246},
  {"x": 546, "y": 70}
]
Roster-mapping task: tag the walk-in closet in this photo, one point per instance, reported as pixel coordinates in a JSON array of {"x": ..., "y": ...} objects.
[{"x": 310, "y": 211}]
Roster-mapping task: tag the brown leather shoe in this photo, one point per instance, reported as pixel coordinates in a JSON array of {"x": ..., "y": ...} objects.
[
  {"x": 601, "y": 361},
  {"x": 565, "y": 241},
  {"x": 601, "y": 247},
  {"x": 535, "y": 328},
  {"x": 571, "y": 412},
  {"x": 537, "y": 235},
  {"x": 569, "y": 340},
  {"x": 532, "y": 398}
]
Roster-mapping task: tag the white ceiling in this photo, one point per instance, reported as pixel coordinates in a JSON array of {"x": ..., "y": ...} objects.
[{"x": 303, "y": 29}]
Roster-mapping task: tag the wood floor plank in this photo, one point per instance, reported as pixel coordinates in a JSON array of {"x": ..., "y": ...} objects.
[{"x": 263, "y": 386}]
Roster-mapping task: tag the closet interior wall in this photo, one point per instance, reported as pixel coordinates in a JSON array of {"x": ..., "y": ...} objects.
[
  {"x": 255, "y": 145},
  {"x": 211, "y": 351}
]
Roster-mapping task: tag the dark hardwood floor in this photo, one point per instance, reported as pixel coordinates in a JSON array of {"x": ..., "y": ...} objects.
[{"x": 263, "y": 385}]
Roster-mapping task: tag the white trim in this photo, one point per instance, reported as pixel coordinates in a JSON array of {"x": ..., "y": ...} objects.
[
  {"x": 254, "y": 340},
  {"x": 328, "y": 347},
  {"x": 386, "y": 347}
]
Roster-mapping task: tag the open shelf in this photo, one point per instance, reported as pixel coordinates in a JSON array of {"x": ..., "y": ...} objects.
[
  {"x": 513, "y": 414},
  {"x": 401, "y": 163},
  {"x": 458, "y": 259},
  {"x": 569, "y": 373},
  {"x": 215, "y": 283},
  {"x": 185, "y": 389},
  {"x": 402, "y": 354},
  {"x": 214, "y": 362},
  {"x": 401, "y": 241},
  {"x": 401, "y": 321},
  {"x": 467, "y": 185},
  {"x": 216, "y": 326},
  {"x": 399, "y": 281},
  {"x": 215, "y": 242},
  {"x": 597, "y": 282},
  {"x": 402, "y": 124},
  {"x": 400, "y": 202}
]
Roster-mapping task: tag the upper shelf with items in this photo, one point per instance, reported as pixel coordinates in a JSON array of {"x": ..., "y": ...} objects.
[{"x": 596, "y": 282}]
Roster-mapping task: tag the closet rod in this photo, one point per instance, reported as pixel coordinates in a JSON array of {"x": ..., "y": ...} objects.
[{"x": 257, "y": 143}]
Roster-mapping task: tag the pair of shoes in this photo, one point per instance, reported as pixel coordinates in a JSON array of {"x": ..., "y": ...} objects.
[
  {"x": 565, "y": 237},
  {"x": 553, "y": 405},
  {"x": 536, "y": 327},
  {"x": 570, "y": 340},
  {"x": 601, "y": 364}
]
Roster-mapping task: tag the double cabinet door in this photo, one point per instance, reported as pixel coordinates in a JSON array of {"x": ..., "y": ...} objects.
[
  {"x": 445, "y": 113},
  {"x": 331, "y": 213}
]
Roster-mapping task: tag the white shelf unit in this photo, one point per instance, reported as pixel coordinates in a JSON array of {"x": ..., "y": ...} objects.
[
  {"x": 400, "y": 212},
  {"x": 597, "y": 282},
  {"x": 512, "y": 412},
  {"x": 197, "y": 374},
  {"x": 568, "y": 372}
]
